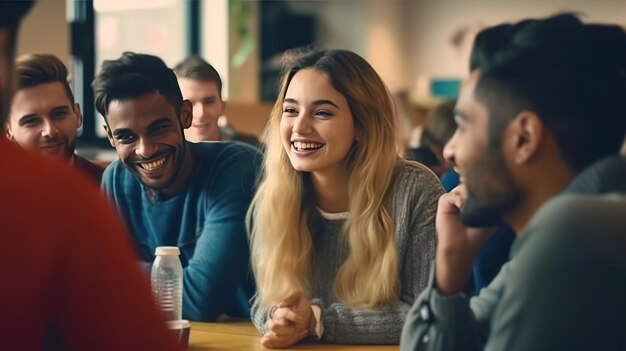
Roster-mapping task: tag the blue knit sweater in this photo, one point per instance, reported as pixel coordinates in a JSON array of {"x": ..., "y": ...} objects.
[{"x": 205, "y": 220}]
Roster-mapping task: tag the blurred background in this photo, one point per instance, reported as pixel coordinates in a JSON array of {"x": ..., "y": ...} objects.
[{"x": 420, "y": 48}]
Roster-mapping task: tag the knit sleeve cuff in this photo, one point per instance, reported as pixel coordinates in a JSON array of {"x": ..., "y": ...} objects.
[{"x": 316, "y": 328}]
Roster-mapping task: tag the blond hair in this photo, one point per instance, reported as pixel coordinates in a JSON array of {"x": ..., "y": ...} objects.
[{"x": 283, "y": 210}]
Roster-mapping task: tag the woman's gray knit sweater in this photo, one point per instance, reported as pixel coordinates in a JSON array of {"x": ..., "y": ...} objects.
[{"x": 412, "y": 203}]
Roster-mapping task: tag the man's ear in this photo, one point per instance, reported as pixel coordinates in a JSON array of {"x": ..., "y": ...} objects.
[
  {"x": 79, "y": 116},
  {"x": 8, "y": 132},
  {"x": 109, "y": 135},
  {"x": 527, "y": 133},
  {"x": 223, "y": 107},
  {"x": 186, "y": 114}
]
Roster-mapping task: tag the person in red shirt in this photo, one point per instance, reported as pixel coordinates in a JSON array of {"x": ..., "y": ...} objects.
[{"x": 69, "y": 277}]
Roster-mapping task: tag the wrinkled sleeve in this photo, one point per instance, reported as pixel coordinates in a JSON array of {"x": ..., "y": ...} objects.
[
  {"x": 259, "y": 316},
  {"x": 568, "y": 287},
  {"x": 345, "y": 324},
  {"x": 453, "y": 322},
  {"x": 220, "y": 263}
]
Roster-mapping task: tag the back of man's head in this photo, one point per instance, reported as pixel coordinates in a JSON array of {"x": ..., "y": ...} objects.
[
  {"x": 573, "y": 75},
  {"x": 134, "y": 75},
  {"x": 11, "y": 13},
  {"x": 194, "y": 67},
  {"x": 439, "y": 125},
  {"x": 36, "y": 69}
]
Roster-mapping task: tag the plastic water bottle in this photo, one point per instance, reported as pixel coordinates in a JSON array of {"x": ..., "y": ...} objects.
[{"x": 167, "y": 282}]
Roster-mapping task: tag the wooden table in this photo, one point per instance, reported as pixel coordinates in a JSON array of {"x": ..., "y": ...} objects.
[{"x": 241, "y": 335}]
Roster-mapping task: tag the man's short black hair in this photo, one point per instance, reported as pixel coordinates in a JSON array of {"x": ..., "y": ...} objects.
[
  {"x": 572, "y": 74},
  {"x": 133, "y": 75}
]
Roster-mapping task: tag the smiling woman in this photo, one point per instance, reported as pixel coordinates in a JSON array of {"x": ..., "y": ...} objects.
[
  {"x": 349, "y": 248},
  {"x": 316, "y": 125}
]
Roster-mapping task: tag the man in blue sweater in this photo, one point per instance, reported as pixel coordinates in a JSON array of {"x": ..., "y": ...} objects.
[{"x": 172, "y": 192}]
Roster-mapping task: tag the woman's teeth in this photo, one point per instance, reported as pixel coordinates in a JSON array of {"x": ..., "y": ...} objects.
[{"x": 306, "y": 146}]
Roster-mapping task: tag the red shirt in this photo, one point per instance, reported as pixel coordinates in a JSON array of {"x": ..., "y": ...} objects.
[
  {"x": 69, "y": 276},
  {"x": 90, "y": 169}
]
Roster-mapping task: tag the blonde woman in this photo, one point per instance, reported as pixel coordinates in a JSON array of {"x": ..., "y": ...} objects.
[{"x": 342, "y": 230}]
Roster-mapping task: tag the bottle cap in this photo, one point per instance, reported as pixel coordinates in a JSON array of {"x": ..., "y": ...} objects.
[{"x": 167, "y": 251}]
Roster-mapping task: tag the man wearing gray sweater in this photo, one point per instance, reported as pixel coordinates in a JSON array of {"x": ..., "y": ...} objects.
[{"x": 539, "y": 119}]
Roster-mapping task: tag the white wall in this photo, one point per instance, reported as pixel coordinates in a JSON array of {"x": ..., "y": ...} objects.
[
  {"x": 214, "y": 32},
  {"x": 45, "y": 30},
  {"x": 434, "y": 22},
  {"x": 386, "y": 42},
  {"x": 409, "y": 41},
  {"x": 373, "y": 29}
]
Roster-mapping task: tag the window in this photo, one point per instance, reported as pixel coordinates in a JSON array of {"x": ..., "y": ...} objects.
[{"x": 104, "y": 29}]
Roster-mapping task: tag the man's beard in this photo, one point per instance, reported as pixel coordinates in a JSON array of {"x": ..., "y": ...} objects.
[{"x": 491, "y": 191}]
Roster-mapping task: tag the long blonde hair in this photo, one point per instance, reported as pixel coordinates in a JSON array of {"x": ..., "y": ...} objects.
[{"x": 279, "y": 218}]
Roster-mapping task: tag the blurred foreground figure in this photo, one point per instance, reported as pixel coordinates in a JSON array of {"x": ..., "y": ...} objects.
[
  {"x": 438, "y": 128},
  {"x": 70, "y": 280}
]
